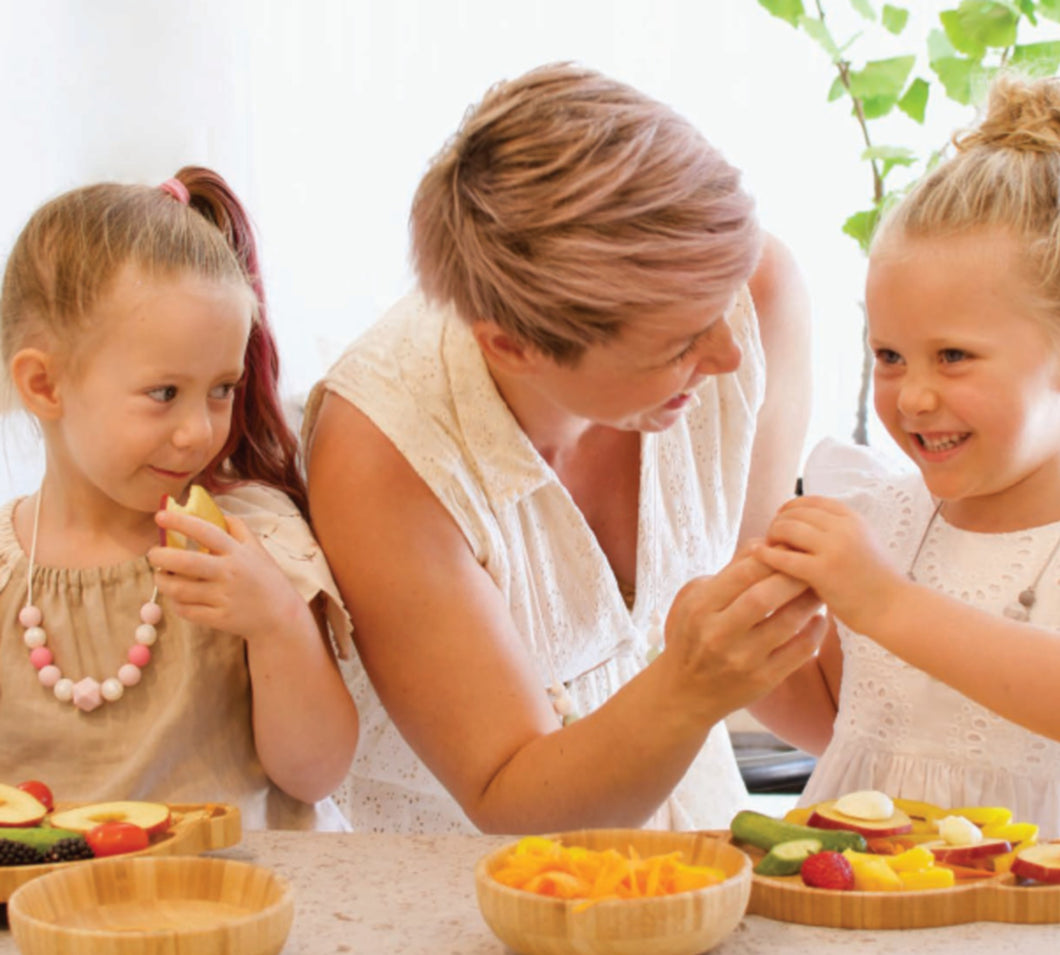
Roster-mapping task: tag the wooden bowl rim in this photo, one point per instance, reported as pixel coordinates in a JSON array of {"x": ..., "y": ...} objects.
[{"x": 15, "y": 914}]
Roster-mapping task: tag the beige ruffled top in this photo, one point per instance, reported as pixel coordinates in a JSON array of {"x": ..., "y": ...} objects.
[{"x": 184, "y": 733}]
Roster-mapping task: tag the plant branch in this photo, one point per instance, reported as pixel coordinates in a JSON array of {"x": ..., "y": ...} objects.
[{"x": 843, "y": 67}]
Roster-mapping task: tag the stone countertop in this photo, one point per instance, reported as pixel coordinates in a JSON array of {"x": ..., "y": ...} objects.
[{"x": 414, "y": 895}]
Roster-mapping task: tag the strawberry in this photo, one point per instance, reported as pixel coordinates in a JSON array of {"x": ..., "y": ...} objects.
[{"x": 828, "y": 870}]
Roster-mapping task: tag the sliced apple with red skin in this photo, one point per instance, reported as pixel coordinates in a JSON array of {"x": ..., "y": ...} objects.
[
  {"x": 1040, "y": 863},
  {"x": 151, "y": 816},
  {"x": 20, "y": 808},
  {"x": 968, "y": 855},
  {"x": 826, "y": 816}
]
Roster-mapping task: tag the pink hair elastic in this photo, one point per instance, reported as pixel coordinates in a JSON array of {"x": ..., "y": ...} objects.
[{"x": 177, "y": 190}]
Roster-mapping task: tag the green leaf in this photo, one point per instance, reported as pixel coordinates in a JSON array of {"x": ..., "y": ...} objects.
[
  {"x": 880, "y": 79},
  {"x": 939, "y": 46},
  {"x": 894, "y": 18},
  {"x": 878, "y": 85},
  {"x": 914, "y": 100},
  {"x": 964, "y": 80},
  {"x": 1037, "y": 59},
  {"x": 789, "y": 10},
  {"x": 978, "y": 24},
  {"x": 1049, "y": 9},
  {"x": 860, "y": 227},
  {"x": 864, "y": 8},
  {"x": 1028, "y": 9},
  {"x": 836, "y": 90},
  {"x": 818, "y": 31},
  {"x": 873, "y": 107},
  {"x": 889, "y": 157}
]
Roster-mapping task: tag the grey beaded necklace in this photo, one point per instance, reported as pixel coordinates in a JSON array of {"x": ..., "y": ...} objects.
[{"x": 1020, "y": 608}]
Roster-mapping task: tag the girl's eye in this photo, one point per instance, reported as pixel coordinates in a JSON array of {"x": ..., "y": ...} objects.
[
  {"x": 223, "y": 392},
  {"x": 951, "y": 355},
  {"x": 885, "y": 356},
  {"x": 163, "y": 394}
]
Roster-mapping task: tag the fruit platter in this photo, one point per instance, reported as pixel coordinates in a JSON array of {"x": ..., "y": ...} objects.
[
  {"x": 38, "y": 835},
  {"x": 871, "y": 862}
]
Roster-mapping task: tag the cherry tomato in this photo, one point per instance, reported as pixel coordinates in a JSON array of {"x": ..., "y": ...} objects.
[
  {"x": 116, "y": 838},
  {"x": 38, "y": 791}
]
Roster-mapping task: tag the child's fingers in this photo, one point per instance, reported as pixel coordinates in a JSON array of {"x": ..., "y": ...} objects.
[
  {"x": 783, "y": 560},
  {"x": 797, "y": 534},
  {"x": 195, "y": 565},
  {"x": 203, "y": 533}
]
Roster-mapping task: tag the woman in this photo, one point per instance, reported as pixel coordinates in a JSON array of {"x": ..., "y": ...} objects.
[{"x": 516, "y": 470}]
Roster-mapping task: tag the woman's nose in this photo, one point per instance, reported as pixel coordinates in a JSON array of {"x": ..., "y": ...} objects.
[{"x": 720, "y": 353}]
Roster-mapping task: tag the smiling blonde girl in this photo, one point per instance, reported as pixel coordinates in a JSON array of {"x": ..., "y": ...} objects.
[{"x": 945, "y": 584}]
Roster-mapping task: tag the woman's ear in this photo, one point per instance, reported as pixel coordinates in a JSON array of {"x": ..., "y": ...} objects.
[
  {"x": 502, "y": 350},
  {"x": 33, "y": 375}
]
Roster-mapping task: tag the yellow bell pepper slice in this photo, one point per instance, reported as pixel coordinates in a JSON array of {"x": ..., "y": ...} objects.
[
  {"x": 872, "y": 873},
  {"x": 1018, "y": 833},
  {"x": 916, "y": 809},
  {"x": 798, "y": 816},
  {"x": 984, "y": 815},
  {"x": 912, "y": 859}
]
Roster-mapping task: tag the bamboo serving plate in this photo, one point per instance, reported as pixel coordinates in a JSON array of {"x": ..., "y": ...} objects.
[
  {"x": 196, "y": 827},
  {"x": 1000, "y": 899},
  {"x": 172, "y": 905},
  {"x": 684, "y": 923}
]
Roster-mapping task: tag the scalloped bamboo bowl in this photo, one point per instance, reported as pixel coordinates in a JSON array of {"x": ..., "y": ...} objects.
[
  {"x": 151, "y": 906},
  {"x": 686, "y": 923}
]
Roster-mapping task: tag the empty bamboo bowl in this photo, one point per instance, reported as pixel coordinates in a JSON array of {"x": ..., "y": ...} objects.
[
  {"x": 685, "y": 923},
  {"x": 181, "y": 905}
]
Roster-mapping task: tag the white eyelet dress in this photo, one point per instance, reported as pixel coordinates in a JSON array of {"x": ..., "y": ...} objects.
[
  {"x": 420, "y": 377},
  {"x": 900, "y": 730}
]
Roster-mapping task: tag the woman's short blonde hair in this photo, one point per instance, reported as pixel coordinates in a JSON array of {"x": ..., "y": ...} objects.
[
  {"x": 568, "y": 203},
  {"x": 1005, "y": 175}
]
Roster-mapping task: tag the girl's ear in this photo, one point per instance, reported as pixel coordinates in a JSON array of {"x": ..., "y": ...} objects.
[
  {"x": 33, "y": 375},
  {"x": 503, "y": 350}
]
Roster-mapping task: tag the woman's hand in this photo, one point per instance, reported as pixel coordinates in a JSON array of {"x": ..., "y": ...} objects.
[{"x": 735, "y": 636}]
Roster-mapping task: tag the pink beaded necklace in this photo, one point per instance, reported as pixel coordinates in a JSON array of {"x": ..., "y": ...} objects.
[{"x": 88, "y": 693}]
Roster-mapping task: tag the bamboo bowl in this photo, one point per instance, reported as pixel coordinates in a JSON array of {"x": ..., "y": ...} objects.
[
  {"x": 685, "y": 923},
  {"x": 151, "y": 906}
]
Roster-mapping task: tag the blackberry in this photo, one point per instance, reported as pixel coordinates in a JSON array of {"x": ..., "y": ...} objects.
[
  {"x": 69, "y": 850},
  {"x": 18, "y": 853}
]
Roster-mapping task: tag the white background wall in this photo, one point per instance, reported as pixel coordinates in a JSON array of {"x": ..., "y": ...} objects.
[{"x": 324, "y": 113}]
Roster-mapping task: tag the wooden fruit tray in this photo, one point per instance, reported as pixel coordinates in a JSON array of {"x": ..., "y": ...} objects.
[
  {"x": 999, "y": 899},
  {"x": 196, "y": 827}
]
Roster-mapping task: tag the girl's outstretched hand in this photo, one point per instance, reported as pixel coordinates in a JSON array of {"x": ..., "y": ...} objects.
[
  {"x": 233, "y": 585},
  {"x": 823, "y": 542}
]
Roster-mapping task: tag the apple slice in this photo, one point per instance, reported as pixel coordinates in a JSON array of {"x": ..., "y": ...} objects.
[
  {"x": 20, "y": 808},
  {"x": 969, "y": 854},
  {"x": 1040, "y": 863},
  {"x": 152, "y": 816},
  {"x": 199, "y": 504},
  {"x": 826, "y": 816}
]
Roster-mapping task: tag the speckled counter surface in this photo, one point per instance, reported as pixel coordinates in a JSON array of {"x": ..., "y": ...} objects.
[{"x": 415, "y": 895}]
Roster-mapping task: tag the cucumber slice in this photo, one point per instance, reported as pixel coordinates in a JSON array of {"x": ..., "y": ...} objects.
[
  {"x": 765, "y": 832},
  {"x": 786, "y": 858}
]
